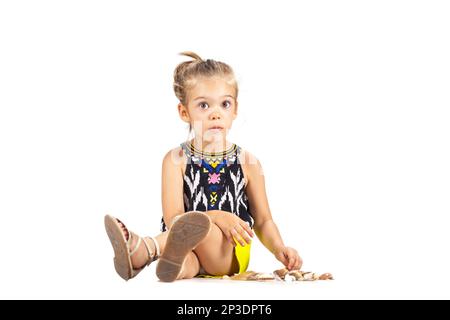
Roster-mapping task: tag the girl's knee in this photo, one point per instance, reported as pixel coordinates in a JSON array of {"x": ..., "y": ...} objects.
[{"x": 191, "y": 266}]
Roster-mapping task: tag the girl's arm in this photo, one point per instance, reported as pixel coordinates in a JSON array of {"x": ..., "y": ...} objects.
[
  {"x": 172, "y": 186},
  {"x": 265, "y": 228}
]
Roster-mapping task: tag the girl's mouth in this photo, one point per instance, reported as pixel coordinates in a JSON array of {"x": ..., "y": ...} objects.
[{"x": 216, "y": 128}]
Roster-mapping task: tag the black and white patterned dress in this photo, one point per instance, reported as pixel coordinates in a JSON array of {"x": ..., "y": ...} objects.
[{"x": 214, "y": 181}]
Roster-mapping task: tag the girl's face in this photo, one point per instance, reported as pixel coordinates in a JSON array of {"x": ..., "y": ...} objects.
[{"x": 211, "y": 108}]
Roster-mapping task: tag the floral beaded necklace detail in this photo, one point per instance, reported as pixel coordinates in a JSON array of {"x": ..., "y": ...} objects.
[{"x": 213, "y": 159}]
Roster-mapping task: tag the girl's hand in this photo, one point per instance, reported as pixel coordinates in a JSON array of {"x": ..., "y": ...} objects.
[
  {"x": 233, "y": 227},
  {"x": 289, "y": 257}
]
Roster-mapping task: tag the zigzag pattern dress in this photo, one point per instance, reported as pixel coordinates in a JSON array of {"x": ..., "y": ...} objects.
[{"x": 214, "y": 181}]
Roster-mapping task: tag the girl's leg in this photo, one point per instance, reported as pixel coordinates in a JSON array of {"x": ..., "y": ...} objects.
[
  {"x": 191, "y": 267},
  {"x": 140, "y": 257},
  {"x": 216, "y": 254}
]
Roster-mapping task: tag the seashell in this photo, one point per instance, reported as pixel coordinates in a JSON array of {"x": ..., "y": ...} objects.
[
  {"x": 248, "y": 275},
  {"x": 308, "y": 276},
  {"x": 297, "y": 274},
  {"x": 326, "y": 276},
  {"x": 281, "y": 272},
  {"x": 263, "y": 277},
  {"x": 289, "y": 278}
]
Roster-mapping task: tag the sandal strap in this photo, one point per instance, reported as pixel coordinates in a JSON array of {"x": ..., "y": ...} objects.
[
  {"x": 158, "y": 251},
  {"x": 152, "y": 256},
  {"x": 132, "y": 235}
]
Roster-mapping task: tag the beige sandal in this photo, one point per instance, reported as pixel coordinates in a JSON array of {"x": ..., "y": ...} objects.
[
  {"x": 122, "y": 248},
  {"x": 187, "y": 231}
]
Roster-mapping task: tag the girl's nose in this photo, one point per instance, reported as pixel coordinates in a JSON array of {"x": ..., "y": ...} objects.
[{"x": 215, "y": 115}]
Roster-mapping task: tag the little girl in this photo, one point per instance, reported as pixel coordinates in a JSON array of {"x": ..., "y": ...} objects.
[{"x": 213, "y": 192}]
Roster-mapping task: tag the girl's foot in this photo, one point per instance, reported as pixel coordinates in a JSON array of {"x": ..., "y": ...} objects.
[
  {"x": 140, "y": 258},
  {"x": 132, "y": 253}
]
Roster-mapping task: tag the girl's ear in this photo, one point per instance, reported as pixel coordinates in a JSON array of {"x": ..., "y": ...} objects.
[{"x": 183, "y": 112}]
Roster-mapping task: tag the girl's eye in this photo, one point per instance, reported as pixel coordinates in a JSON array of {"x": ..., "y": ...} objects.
[
  {"x": 226, "y": 104},
  {"x": 203, "y": 105}
]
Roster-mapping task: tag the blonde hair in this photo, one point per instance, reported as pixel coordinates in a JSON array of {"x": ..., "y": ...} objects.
[{"x": 187, "y": 72}]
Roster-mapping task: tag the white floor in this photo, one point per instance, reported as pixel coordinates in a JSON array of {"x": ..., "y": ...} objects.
[
  {"x": 103, "y": 283},
  {"x": 149, "y": 288}
]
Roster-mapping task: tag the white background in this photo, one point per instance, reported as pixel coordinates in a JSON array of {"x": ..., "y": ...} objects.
[{"x": 345, "y": 103}]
